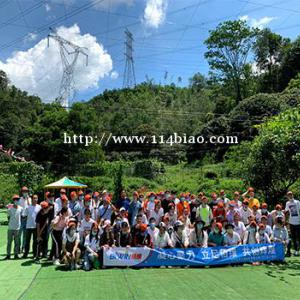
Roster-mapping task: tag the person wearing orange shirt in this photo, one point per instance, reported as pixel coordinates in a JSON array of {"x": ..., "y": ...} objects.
[{"x": 181, "y": 205}]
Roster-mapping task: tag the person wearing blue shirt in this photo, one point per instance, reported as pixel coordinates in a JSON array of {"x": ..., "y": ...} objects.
[
  {"x": 123, "y": 201},
  {"x": 134, "y": 207}
]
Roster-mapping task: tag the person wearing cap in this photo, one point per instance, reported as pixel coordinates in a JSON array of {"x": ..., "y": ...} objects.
[
  {"x": 31, "y": 212},
  {"x": 92, "y": 246},
  {"x": 134, "y": 207},
  {"x": 157, "y": 213},
  {"x": 24, "y": 201},
  {"x": 245, "y": 212},
  {"x": 214, "y": 200},
  {"x": 73, "y": 204},
  {"x": 280, "y": 233},
  {"x": 264, "y": 212},
  {"x": 231, "y": 238},
  {"x": 180, "y": 237},
  {"x": 95, "y": 205},
  {"x": 105, "y": 210},
  {"x": 107, "y": 238},
  {"x": 70, "y": 245},
  {"x": 249, "y": 194},
  {"x": 198, "y": 237},
  {"x": 42, "y": 224},
  {"x": 292, "y": 209},
  {"x": 80, "y": 198},
  {"x": 216, "y": 237},
  {"x": 219, "y": 212},
  {"x": 58, "y": 201},
  {"x": 182, "y": 204},
  {"x": 239, "y": 226},
  {"x": 14, "y": 213},
  {"x": 123, "y": 214},
  {"x": 250, "y": 236},
  {"x": 204, "y": 212},
  {"x": 232, "y": 209},
  {"x": 124, "y": 239},
  {"x": 141, "y": 237},
  {"x": 152, "y": 229},
  {"x": 161, "y": 238},
  {"x": 123, "y": 201},
  {"x": 87, "y": 204},
  {"x": 58, "y": 225},
  {"x": 222, "y": 198},
  {"x": 278, "y": 212}
]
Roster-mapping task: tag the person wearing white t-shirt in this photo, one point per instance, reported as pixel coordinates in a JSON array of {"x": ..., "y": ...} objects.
[
  {"x": 162, "y": 238},
  {"x": 157, "y": 213},
  {"x": 24, "y": 201},
  {"x": 152, "y": 229},
  {"x": 92, "y": 245},
  {"x": 14, "y": 224},
  {"x": 292, "y": 208},
  {"x": 85, "y": 225},
  {"x": 262, "y": 236},
  {"x": 239, "y": 227},
  {"x": 31, "y": 212},
  {"x": 231, "y": 238},
  {"x": 245, "y": 212},
  {"x": 70, "y": 245}
]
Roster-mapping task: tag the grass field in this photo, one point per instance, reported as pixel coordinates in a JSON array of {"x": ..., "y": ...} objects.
[{"x": 23, "y": 279}]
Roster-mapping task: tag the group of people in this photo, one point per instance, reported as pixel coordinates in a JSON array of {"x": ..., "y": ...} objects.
[{"x": 84, "y": 223}]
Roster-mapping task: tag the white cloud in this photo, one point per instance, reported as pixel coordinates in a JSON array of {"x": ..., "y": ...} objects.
[
  {"x": 30, "y": 37},
  {"x": 110, "y": 4},
  {"x": 257, "y": 23},
  {"x": 114, "y": 75},
  {"x": 38, "y": 70},
  {"x": 155, "y": 13}
]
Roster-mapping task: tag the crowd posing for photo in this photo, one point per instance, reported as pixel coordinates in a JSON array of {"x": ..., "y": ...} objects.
[{"x": 80, "y": 225}]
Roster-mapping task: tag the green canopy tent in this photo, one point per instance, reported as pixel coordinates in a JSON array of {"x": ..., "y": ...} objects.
[{"x": 65, "y": 183}]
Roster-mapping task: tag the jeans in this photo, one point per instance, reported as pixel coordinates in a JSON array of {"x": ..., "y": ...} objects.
[
  {"x": 90, "y": 261},
  {"x": 13, "y": 235},
  {"x": 23, "y": 233},
  {"x": 295, "y": 234}
]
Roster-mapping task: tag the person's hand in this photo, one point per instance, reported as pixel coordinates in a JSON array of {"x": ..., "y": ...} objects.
[
  {"x": 96, "y": 254},
  {"x": 68, "y": 253}
]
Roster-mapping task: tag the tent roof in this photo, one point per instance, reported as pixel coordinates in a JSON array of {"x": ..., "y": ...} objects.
[{"x": 65, "y": 182}]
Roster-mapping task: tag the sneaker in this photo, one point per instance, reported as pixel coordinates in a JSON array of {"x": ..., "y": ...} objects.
[
  {"x": 296, "y": 253},
  {"x": 16, "y": 256},
  {"x": 77, "y": 267},
  {"x": 24, "y": 256},
  {"x": 56, "y": 262},
  {"x": 7, "y": 257},
  {"x": 37, "y": 261}
]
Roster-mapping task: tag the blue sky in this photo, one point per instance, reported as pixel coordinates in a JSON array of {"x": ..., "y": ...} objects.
[{"x": 171, "y": 42}]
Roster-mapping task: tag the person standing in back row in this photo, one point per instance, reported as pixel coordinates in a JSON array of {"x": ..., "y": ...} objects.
[
  {"x": 292, "y": 208},
  {"x": 14, "y": 226}
]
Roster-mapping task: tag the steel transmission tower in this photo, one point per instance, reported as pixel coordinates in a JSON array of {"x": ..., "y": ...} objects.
[
  {"x": 129, "y": 74},
  {"x": 69, "y": 53}
]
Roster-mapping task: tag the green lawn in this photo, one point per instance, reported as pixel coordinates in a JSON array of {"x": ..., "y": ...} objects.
[{"x": 24, "y": 280}]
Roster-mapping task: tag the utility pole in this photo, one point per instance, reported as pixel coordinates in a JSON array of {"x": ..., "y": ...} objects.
[
  {"x": 69, "y": 53},
  {"x": 129, "y": 74}
]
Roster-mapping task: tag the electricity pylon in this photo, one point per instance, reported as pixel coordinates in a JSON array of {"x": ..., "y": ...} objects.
[
  {"x": 69, "y": 53},
  {"x": 129, "y": 74}
]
